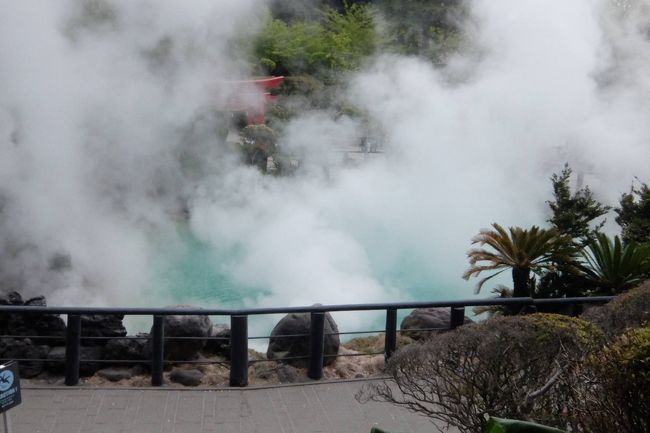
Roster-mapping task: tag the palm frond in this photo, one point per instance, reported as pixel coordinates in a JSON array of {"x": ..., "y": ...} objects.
[
  {"x": 532, "y": 249},
  {"x": 613, "y": 266}
]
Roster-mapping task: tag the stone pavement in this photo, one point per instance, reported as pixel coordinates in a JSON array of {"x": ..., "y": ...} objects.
[{"x": 308, "y": 408}]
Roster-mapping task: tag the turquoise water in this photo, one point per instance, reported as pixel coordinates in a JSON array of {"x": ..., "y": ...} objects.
[
  {"x": 195, "y": 273},
  {"x": 190, "y": 271}
]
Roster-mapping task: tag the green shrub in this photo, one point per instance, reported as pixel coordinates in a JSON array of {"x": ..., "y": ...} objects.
[
  {"x": 521, "y": 367},
  {"x": 629, "y": 310},
  {"x": 615, "y": 387}
]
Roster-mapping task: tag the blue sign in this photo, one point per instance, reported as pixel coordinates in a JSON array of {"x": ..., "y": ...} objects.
[
  {"x": 9, "y": 386},
  {"x": 6, "y": 380}
]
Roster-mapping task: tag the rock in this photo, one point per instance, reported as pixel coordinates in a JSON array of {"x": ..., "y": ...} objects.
[
  {"x": 50, "y": 326},
  {"x": 11, "y": 298},
  {"x": 38, "y": 301},
  {"x": 290, "y": 374},
  {"x": 190, "y": 377},
  {"x": 11, "y": 348},
  {"x": 184, "y": 326},
  {"x": 56, "y": 358},
  {"x": 91, "y": 352},
  {"x": 289, "y": 347},
  {"x": 221, "y": 344},
  {"x": 88, "y": 354},
  {"x": 99, "y": 325},
  {"x": 127, "y": 349},
  {"x": 430, "y": 320},
  {"x": 115, "y": 374}
]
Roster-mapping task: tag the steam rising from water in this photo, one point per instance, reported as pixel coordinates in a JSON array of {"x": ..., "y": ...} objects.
[{"x": 105, "y": 134}]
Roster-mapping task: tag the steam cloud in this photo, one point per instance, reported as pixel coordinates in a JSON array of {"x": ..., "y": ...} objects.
[{"x": 104, "y": 105}]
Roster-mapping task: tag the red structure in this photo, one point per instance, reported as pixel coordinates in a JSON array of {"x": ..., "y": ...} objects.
[{"x": 245, "y": 91}]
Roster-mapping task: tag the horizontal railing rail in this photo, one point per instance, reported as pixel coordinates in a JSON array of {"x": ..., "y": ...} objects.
[
  {"x": 239, "y": 338},
  {"x": 137, "y": 311}
]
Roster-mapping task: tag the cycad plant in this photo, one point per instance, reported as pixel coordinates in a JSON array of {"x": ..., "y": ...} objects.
[
  {"x": 612, "y": 266},
  {"x": 522, "y": 251}
]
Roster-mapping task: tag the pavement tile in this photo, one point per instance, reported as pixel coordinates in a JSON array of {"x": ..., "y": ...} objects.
[
  {"x": 189, "y": 409},
  {"x": 263, "y": 417},
  {"x": 340, "y": 409},
  {"x": 66, "y": 428},
  {"x": 77, "y": 400},
  {"x": 301, "y": 411},
  {"x": 187, "y": 428},
  {"x": 145, "y": 428},
  {"x": 312, "y": 408}
]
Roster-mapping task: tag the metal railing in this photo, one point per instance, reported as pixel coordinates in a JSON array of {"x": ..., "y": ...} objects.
[{"x": 239, "y": 360}]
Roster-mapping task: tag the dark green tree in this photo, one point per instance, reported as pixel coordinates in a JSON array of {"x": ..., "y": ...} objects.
[
  {"x": 634, "y": 215},
  {"x": 428, "y": 28},
  {"x": 573, "y": 213},
  {"x": 334, "y": 43}
]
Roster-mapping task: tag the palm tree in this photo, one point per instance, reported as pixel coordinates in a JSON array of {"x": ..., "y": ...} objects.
[
  {"x": 613, "y": 267},
  {"x": 521, "y": 250}
]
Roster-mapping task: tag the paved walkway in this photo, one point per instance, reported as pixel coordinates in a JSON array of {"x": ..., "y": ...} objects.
[{"x": 323, "y": 408}]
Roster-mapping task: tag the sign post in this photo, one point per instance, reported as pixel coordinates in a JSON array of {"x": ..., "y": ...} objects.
[{"x": 9, "y": 391}]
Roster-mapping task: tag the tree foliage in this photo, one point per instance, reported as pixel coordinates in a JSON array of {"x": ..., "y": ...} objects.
[
  {"x": 612, "y": 267},
  {"x": 634, "y": 215},
  {"x": 428, "y": 28},
  {"x": 336, "y": 42},
  {"x": 520, "y": 250},
  {"x": 572, "y": 213}
]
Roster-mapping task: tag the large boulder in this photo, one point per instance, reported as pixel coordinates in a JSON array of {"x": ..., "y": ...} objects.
[
  {"x": 281, "y": 347},
  {"x": 184, "y": 326},
  {"x": 423, "y": 322},
  {"x": 11, "y": 348},
  {"x": 49, "y": 327},
  {"x": 101, "y": 325}
]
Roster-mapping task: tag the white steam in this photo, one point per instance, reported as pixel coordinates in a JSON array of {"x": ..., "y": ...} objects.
[{"x": 94, "y": 138}]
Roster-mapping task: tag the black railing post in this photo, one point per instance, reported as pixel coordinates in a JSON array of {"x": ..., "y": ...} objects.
[
  {"x": 158, "y": 351},
  {"x": 72, "y": 349},
  {"x": 316, "y": 345},
  {"x": 457, "y": 317},
  {"x": 238, "y": 350},
  {"x": 390, "y": 340}
]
